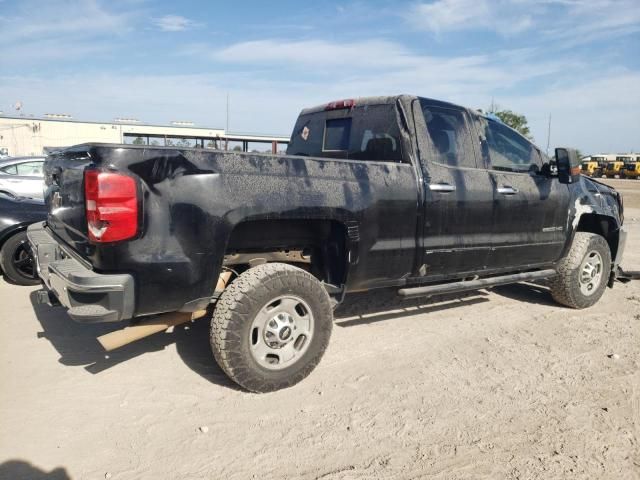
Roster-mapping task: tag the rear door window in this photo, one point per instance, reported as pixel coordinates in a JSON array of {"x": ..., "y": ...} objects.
[
  {"x": 30, "y": 169},
  {"x": 365, "y": 132},
  {"x": 450, "y": 141}
]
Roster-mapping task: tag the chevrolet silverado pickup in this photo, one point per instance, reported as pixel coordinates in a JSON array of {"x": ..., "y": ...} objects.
[{"x": 399, "y": 192}]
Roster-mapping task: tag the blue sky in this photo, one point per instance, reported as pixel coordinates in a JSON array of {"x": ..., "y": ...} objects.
[{"x": 578, "y": 60}]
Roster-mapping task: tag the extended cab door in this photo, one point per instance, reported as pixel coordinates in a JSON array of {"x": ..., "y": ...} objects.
[
  {"x": 530, "y": 208},
  {"x": 458, "y": 209}
]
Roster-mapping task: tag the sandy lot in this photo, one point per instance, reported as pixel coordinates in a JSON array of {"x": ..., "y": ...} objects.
[{"x": 496, "y": 384}]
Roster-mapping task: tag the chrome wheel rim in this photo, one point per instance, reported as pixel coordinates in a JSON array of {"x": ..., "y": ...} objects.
[
  {"x": 281, "y": 332},
  {"x": 591, "y": 273}
]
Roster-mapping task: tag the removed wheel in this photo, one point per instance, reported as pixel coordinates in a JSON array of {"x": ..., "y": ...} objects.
[
  {"x": 583, "y": 274},
  {"x": 271, "y": 327},
  {"x": 17, "y": 262}
]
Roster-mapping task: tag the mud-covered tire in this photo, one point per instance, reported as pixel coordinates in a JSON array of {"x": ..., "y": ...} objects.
[
  {"x": 567, "y": 288},
  {"x": 241, "y": 305},
  {"x": 16, "y": 260}
]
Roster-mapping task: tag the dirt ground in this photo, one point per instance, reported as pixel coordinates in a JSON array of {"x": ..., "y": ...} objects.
[{"x": 495, "y": 384}]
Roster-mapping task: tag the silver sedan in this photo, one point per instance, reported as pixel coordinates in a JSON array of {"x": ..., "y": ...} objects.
[{"x": 22, "y": 177}]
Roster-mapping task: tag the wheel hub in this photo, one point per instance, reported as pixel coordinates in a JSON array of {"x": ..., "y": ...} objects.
[
  {"x": 591, "y": 273},
  {"x": 281, "y": 332},
  {"x": 279, "y": 329}
]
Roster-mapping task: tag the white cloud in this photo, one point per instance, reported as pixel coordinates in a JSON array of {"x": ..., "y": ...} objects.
[
  {"x": 503, "y": 16},
  {"x": 57, "y": 18},
  {"x": 59, "y": 30},
  {"x": 318, "y": 53},
  {"x": 173, "y": 23},
  {"x": 594, "y": 20},
  {"x": 575, "y": 21},
  {"x": 382, "y": 62}
]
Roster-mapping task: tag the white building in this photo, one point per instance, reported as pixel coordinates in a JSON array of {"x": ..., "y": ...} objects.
[{"x": 21, "y": 136}]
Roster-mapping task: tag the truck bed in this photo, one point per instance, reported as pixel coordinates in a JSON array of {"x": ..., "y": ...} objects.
[{"x": 193, "y": 200}]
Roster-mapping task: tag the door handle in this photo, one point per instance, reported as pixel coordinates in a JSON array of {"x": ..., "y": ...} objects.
[
  {"x": 507, "y": 190},
  {"x": 441, "y": 187}
]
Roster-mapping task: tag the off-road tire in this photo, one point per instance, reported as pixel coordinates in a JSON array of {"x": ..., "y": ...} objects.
[
  {"x": 11, "y": 272},
  {"x": 238, "y": 306},
  {"x": 565, "y": 287}
]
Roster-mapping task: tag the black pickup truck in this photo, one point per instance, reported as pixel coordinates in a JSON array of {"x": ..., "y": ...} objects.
[{"x": 406, "y": 192}]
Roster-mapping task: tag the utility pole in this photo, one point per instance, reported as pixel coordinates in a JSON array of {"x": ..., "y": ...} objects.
[
  {"x": 549, "y": 134},
  {"x": 226, "y": 131}
]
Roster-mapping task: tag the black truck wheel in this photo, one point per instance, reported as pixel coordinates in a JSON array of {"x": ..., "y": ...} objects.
[
  {"x": 583, "y": 273},
  {"x": 271, "y": 327},
  {"x": 17, "y": 261}
]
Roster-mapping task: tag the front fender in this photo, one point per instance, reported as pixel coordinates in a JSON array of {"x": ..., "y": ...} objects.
[{"x": 594, "y": 208}]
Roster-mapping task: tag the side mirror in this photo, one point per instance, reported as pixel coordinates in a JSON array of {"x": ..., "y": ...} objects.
[{"x": 568, "y": 164}]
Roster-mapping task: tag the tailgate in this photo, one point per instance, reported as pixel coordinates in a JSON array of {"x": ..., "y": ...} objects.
[{"x": 64, "y": 196}]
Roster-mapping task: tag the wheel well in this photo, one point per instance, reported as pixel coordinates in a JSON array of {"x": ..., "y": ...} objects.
[
  {"x": 603, "y": 226},
  {"x": 318, "y": 246}
]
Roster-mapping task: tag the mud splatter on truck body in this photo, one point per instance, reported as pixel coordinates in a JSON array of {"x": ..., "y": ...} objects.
[{"x": 378, "y": 208}]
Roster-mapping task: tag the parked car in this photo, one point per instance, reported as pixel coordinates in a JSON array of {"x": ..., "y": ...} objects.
[
  {"x": 405, "y": 192},
  {"x": 22, "y": 177},
  {"x": 16, "y": 259}
]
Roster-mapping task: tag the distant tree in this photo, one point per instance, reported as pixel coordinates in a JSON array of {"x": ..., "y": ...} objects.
[
  {"x": 515, "y": 120},
  {"x": 237, "y": 148},
  {"x": 138, "y": 141}
]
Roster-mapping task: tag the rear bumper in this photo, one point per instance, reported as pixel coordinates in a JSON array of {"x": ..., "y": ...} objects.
[{"x": 90, "y": 297}]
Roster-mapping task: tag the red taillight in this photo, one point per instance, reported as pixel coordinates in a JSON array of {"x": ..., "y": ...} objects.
[
  {"x": 339, "y": 104},
  {"x": 112, "y": 206}
]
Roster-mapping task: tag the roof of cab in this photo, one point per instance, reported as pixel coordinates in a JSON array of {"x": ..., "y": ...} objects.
[{"x": 380, "y": 100}]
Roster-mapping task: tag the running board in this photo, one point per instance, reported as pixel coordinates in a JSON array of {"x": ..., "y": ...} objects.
[
  {"x": 467, "y": 285},
  {"x": 625, "y": 277}
]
